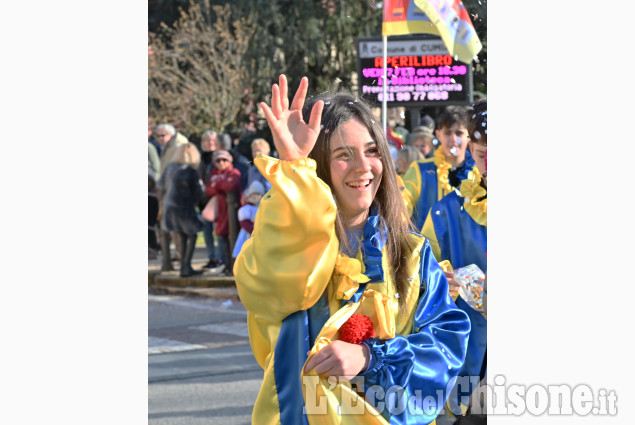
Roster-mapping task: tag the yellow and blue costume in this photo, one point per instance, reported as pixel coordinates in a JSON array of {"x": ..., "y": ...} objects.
[
  {"x": 299, "y": 289},
  {"x": 456, "y": 228},
  {"x": 427, "y": 181}
]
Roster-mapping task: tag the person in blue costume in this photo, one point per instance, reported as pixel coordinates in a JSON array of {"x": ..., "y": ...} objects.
[
  {"x": 456, "y": 228},
  {"x": 428, "y": 180},
  {"x": 349, "y": 313}
]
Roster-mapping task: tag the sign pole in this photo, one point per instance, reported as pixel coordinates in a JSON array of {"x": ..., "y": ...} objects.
[{"x": 384, "y": 121}]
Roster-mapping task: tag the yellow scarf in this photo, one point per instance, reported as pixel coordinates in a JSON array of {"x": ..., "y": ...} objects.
[
  {"x": 443, "y": 170},
  {"x": 472, "y": 191},
  {"x": 380, "y": 308}
]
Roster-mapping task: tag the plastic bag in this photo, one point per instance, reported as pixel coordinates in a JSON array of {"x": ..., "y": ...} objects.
[{"x": 471, "y": 279}]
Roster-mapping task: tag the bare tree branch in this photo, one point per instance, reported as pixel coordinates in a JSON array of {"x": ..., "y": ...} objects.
[{"x": 196, "y": 75}]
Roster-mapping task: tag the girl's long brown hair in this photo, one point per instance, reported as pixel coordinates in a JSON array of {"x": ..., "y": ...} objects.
[{"x": 339, "y": 108}]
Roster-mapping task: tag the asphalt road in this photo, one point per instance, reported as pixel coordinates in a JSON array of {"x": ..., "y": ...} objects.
[{"x": 200, "y": 366}]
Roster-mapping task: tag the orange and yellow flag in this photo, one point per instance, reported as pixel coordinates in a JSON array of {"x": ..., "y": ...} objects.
[
  {"x": 404, "y": 17},
  {"x": 446, "y": 18}
]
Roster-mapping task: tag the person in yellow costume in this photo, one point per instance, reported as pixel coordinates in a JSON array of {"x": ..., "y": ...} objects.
[
  {"x": 456, "y": 225},
  {"x": 456, "y": 228},
  {"x": 332, "y": 242},
  {"x": 427, "y": 181}
]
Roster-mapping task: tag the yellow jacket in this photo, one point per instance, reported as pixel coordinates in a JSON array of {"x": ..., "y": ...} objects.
[{"x": 282, "y": 272}]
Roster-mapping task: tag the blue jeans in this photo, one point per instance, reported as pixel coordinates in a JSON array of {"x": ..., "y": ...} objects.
[{"x": 208, "y": 235}]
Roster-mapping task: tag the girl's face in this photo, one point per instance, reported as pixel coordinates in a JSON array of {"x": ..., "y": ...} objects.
[{"x": 356, "y": 170}]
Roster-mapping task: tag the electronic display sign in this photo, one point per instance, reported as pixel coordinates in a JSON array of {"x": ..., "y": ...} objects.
[{"x": 420, "y": 72}]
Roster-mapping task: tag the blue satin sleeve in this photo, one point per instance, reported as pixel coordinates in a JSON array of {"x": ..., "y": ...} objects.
[{"x": 412, "y": 367}]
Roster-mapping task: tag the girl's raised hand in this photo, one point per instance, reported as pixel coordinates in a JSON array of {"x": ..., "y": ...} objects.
[{"x": 292, "y": 136}]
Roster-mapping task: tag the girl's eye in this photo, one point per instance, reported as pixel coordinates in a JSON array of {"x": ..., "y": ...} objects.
[{"x": 373, "y": 151}]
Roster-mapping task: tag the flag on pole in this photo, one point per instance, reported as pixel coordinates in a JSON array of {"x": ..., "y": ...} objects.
[
  {"x": 401, "y": 17},
  {"x": 454, "y": 25},
  {"x": 404, "y": 17},
  {"x": 446, "y": 18}
]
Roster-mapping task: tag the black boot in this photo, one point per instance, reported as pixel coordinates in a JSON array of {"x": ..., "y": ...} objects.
[
  {"x": 181, "y": 240},
  {"x": 188, "y": 244},
  {"x": 166, "y": 263}
]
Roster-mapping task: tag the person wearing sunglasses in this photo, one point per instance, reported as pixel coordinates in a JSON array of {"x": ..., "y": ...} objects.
[
  {"x": 209, "y": 144},
  {"x": 223, "y": 180}
]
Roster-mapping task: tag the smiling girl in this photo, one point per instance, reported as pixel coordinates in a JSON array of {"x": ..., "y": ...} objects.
[{"x": 344, "y": 302}]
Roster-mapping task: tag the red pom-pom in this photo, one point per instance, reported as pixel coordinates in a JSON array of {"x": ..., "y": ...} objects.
[{"x": 357, "y": 328}]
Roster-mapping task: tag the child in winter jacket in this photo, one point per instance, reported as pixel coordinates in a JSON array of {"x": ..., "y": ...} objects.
[{"x": 247, "y": 214}]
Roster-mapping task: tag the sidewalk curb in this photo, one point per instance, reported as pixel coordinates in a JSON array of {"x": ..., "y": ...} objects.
[
  {"x": 157, "y": 278},
  {"x": 220, "y": 292},
  {"x": 205, "y": 285}
]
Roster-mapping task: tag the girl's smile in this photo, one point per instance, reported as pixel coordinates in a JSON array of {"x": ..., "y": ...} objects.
[{"x": 356, "y": 170}]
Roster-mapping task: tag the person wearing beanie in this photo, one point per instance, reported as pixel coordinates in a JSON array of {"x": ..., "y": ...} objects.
[
  {"x": 247, "y": 214},
  {"x": 224, "y": 155},
  {"x": 256, "y": 189},
  {"x": 224, "y": 180}
]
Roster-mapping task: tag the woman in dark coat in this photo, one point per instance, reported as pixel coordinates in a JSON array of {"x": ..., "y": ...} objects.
[{"x": 179, "y": 205}]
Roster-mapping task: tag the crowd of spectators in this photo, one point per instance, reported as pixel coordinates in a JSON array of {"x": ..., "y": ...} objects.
[{"x": 224, "y": 169}]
